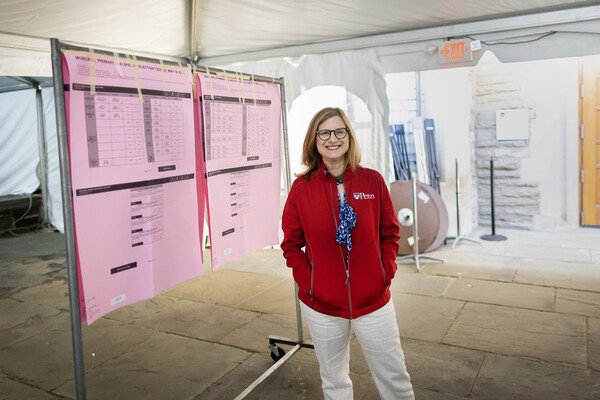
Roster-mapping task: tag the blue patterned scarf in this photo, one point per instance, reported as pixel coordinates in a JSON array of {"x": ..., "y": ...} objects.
[{"x": 347, "y": 223}]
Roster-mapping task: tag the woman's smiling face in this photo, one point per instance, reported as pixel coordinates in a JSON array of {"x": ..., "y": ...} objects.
[{"x": 333, "y": 149}]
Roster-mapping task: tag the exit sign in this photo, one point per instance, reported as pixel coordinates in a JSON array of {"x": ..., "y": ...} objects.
[{"x": 455, "y": 51}]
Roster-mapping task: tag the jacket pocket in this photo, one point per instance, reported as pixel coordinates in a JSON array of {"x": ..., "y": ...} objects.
[{"x": 386, "y": 284}]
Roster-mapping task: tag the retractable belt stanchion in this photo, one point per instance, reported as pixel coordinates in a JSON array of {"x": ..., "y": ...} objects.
[
  {"x": 416, "y": 256},
  {"x": 493, "y": 237}
]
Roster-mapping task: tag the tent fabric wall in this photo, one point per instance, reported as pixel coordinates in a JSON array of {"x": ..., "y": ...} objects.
[
  {"x": 358, "y": 72},
  {"x": 18, "y": 143}
]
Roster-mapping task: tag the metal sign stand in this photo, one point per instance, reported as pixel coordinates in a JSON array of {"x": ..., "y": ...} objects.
[
  {"x": 67, "y": 203},
  {"x": 74, "y": 300},
  {"x": 277, "y": 353},
  {"x": 416, "y": 256}
]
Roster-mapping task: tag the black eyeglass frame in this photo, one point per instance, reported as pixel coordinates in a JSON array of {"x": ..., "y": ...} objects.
[{"x": 336, "y": 132}]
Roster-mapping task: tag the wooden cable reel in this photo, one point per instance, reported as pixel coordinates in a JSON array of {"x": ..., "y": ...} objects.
[{"x": 432, "y": 216}]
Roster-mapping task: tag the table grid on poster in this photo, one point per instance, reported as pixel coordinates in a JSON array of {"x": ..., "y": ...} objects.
[
  {"x": 123, "y": 131},
  {"x": 163, "y": 117},
  {"x": 236, "y": 129},
  {"x": 146, "y": 215}
]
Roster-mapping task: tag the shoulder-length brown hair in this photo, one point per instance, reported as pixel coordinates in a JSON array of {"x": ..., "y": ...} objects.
[{"x": 311, "y": 159}]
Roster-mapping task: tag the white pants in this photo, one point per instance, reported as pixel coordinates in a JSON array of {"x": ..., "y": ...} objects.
[{"x": 379, "y": 338}]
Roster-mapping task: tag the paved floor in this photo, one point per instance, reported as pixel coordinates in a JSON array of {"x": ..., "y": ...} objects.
[{"x": 518, "y": 319}]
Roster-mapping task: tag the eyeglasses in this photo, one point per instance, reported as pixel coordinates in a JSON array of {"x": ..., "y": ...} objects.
[{"x": 325, "y": 134}]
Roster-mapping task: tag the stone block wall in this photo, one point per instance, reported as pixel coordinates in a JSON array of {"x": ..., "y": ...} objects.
[{"x": 516, "y": 202}]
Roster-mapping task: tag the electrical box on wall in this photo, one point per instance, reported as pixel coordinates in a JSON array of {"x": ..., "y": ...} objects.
[{"x": 512, "y": 124}]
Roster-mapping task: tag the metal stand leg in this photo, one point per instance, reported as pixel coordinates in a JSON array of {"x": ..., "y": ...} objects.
[
  {"x": 415, "y": 256},
  {"x": 283, "y": 358},
  {"x": 65, "y": 173},
  {"x": 277, "y": 353}
]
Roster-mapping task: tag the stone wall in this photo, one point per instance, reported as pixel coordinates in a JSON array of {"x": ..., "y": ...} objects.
[{"x": 516, "y": 201}]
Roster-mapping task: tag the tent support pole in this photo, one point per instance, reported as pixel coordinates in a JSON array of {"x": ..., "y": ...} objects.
[
  {"x": 43, "y": 150},
  {"x": 288, "y": 182},
  {"x": 193, "y": 11},
  {"x": 67, "y": 201}
]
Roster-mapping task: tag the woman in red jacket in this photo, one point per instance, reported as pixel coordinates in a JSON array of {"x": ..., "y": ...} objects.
[{"x": 341, "y": 241}]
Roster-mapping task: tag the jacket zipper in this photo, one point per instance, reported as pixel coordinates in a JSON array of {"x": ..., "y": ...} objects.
[
  {"x": 312, "y": 274},
  {"x": 347, "y": 266}
]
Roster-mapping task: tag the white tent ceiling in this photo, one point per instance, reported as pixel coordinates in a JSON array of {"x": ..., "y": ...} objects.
[{"x": 226, "y": 31}]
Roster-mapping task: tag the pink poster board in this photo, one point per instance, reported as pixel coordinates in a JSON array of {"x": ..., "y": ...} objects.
[
  {"x": 138, "y": 204},
  {"x": 242, "y": 142}
]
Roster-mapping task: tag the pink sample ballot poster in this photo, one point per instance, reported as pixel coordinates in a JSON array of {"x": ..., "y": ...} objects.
[
  {"x": 242, "y": 143},
  {"x": 138, "y": 207}
]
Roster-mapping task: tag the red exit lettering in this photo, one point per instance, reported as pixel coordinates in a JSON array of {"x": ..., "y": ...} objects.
[{"x": 455, "y": 51}]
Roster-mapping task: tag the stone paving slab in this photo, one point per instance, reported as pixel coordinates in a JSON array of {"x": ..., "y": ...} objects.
[
  {"x": 504, "y": 377},
  {"x": 20, "y": 321},
  {"x": 54, "y": 294},
  {"x": 253, "y": 335},
  {"x": 128, "y": 381},
  {"x": 44, "y": 361},
  {"x": 559, "y": 274},
  {"x": 18, "y": 276},
  {"x": 198, "y": 320},
  {"x": 106, "y": 340},
  {"x": 265, "y": 261},
  {"x": 301, "y": 380},
  {"x": 42, "y": 245},
  {"x": 11, "y": 390},
  {"x": 424, "y": 394},
  {"x": 476, "y": 255},
  {"x": 502, "y": 293},
  {"x": 224, "y": 286},
  {"x": 459, "y": 270},
  {"x": 554, "y": 253},
  {"x": 141, "y": 309},
  {"x": 596, "y": 257},
  {"x": 441, "y": 368},
  {"x": 280, "y": 299},
  {"x": 165, "y": 366},
  {"x": 518, "y": 332},
  {"x": 594, "y": 342},
  {"x": 425, "y": 318},
  {"x": 586, "y": 238},
  {"x": 45, "y": 358},
  {"x": 293, "y": 380},
  {"x": 414, "y": 283},
  {"x": 578, "y": 302}
]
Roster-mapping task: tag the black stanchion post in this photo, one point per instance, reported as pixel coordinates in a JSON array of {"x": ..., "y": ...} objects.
[{"x": 493, "y": 236}]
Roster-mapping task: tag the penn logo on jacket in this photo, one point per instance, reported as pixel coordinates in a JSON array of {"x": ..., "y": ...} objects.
[{"x": 364, "y": 196}]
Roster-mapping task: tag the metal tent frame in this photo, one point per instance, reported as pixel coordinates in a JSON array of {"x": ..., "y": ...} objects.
[{"x": 66, "y": 190}]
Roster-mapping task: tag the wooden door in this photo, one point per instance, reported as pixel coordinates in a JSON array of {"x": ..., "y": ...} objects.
[{"x": 590, "y": 142}]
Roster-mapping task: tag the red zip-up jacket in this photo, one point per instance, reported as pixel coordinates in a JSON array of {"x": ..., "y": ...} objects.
[{"x": 310, "y": 221}]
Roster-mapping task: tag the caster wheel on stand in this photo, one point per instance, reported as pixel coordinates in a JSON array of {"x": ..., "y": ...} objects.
[{"x": 277, "y": 353}]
